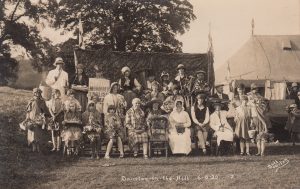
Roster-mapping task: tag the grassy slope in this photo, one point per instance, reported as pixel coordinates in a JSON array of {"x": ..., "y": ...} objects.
[{"x": 21, "y": 169}]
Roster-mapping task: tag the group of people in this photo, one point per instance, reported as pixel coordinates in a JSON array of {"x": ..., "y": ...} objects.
[{"x": 127, "y": 111}]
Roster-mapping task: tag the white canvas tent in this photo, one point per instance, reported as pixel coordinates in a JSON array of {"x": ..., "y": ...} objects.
[
  {"x": 268, "y": 61},
  {"x": 262, "y": 57}
]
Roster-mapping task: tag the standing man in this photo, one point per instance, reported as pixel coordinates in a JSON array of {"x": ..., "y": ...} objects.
[
  {"x": 181, "y": 79},
  {"x": 58, "y": 78},
  {"x": 199, "y": 85},
  {"x": 294, "y": 91},
  {"x": 220, "y": 95}
]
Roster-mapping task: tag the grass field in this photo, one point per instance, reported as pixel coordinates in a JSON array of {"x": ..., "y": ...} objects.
[{"x": 21, "y": 169}]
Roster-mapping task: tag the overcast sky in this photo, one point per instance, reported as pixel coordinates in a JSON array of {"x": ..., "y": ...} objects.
[{"x": 231, "y": 24}]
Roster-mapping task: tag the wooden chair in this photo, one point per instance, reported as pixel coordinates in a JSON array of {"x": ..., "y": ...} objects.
[{"x": 158, "y": 139}]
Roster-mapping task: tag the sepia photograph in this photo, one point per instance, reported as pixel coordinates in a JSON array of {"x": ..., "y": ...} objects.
[{"x": 149, "y": 94}]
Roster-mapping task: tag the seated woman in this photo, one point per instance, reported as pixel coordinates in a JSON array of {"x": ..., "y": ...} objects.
[
  {"x": 179, "y": 131},
  {"x": 222, "y": 129},
  {"x": 113, "y": 130},
  {"x": 200, "y": 117},
  {"x": 136, "y": 124},
  {"x": 91, "y": 119},
  {"x": 154, "y": 109},
  {"x": 71, "y": 132}
]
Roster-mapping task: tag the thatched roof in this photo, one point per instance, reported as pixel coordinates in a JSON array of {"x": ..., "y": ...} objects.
[{"x": 111, "y": 62}]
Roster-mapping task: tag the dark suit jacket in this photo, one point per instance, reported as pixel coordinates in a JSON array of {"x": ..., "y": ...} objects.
[{"x": 224, "y": 97}]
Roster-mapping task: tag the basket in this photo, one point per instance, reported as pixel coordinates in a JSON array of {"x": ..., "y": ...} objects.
[
  {"x": 252, "y": 133},
  {"x": 180, "y": 129}
]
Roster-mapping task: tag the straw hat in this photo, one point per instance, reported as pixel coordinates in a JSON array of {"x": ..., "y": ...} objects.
[
  {"x": 200, "y": 71},
  {"x": 153, "y": 101},
  {"x": 180, "y": 66},
  {"x": 294, "y": 84},
  {"x": 253, "y": 86}
]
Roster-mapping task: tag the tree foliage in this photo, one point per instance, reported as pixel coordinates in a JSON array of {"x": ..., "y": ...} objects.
[
  {"x": 127, "y": 25},
  {"x": 18, "y": 28}
]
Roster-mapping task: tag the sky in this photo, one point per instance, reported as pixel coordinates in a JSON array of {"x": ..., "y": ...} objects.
[{"x": 230, "y": 22}]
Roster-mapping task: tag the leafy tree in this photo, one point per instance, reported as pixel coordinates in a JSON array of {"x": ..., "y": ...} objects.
[
  {"x": 127, "y": 25},
  {"x": 18, "y": 27}
]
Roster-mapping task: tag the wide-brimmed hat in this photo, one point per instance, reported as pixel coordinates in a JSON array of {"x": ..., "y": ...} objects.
[
  {"x": 125, "y": 69},
  {"x": 153, "y": 101},
  {"x": 80, "y": 66},
  {"x": 219, "y": 85},
  {"x": 292, "y": 106},
  {"x": 180, "y": 66},
  {"x": 58, "y": 60},
  {"x": 37, "y": 90},
  {"x": 217, "y": 101},
  {"x": 294, "y": 84},
  {"x": 253, "y": 86},
  {"x": 200, "y": 71},
  {"x": 112, "y": 85},
  {"x": 164, "y": 73}
]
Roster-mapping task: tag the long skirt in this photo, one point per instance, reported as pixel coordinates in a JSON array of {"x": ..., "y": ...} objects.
[
  {"x": 82, "y": 98},
  {"x": 180, "y": 143},
  {"x": 71, "y": 134},
  {"x": 34, "y": 135},
  {"x": 135, "y": 139}
]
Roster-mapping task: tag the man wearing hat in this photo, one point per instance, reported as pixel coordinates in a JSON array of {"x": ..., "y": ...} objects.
[
  {"x": 199, "y": 84},
  {"x": 58, "y": 78},
  {"x": 181, "y": 79},
  {"x": 220, "y": 95},
  {"x": 294, "y": 91}
]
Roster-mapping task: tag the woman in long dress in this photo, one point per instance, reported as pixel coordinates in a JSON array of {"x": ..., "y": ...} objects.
[
  {"x": 222, "y": 129},
  {"x": 35, "y": 119},
  {"x": 179, "y": 131},
  {"x": 81, "y": 80}
]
